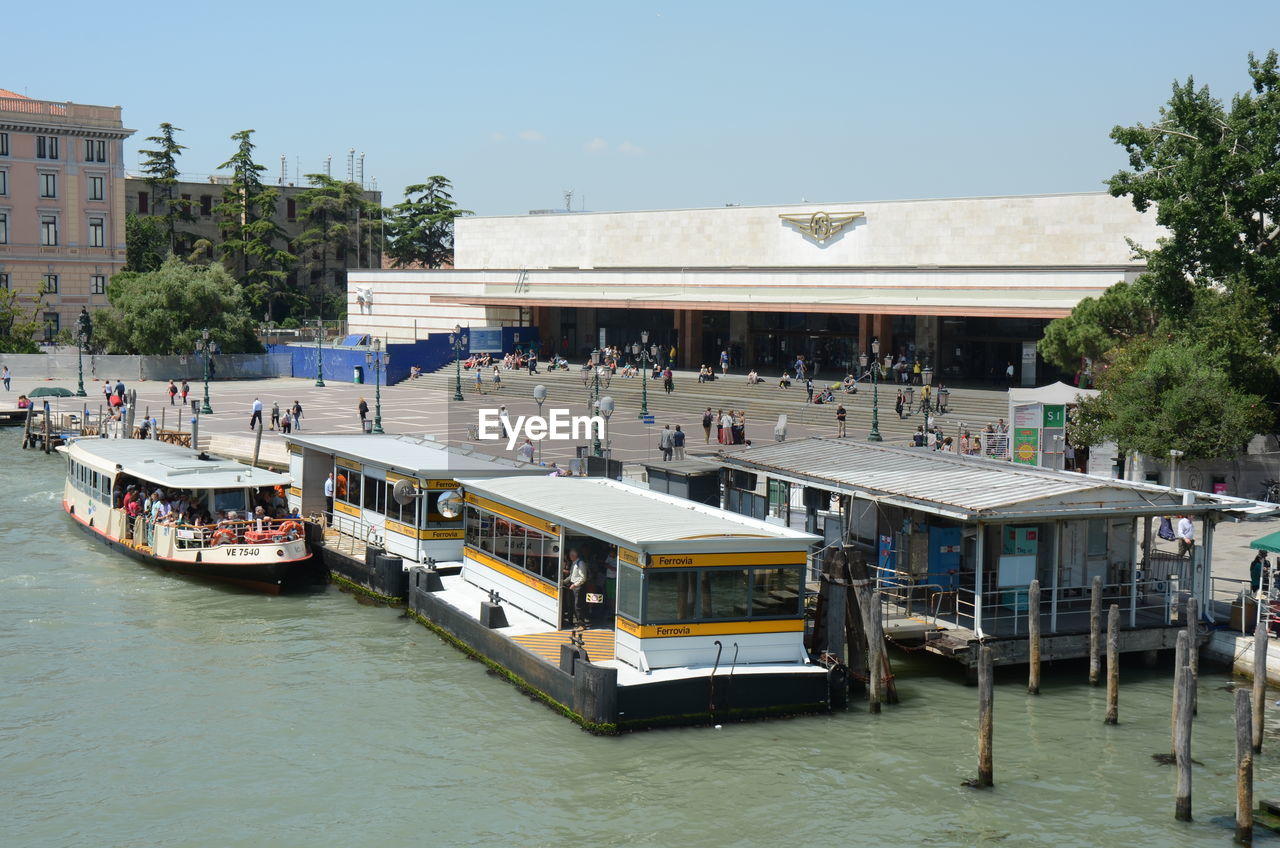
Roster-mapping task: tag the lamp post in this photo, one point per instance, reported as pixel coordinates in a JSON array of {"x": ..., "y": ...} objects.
[
  {"x": 926, "y": 380},
  {"x": 206, "y": 345},
  {"x": 377, "y": 361},
  {"x": 84, "y": 329},
  {"x": 540, "y": 395},
  {"x": 592, "y": 380},
  {"x": 874, "y": 435},
  {"x": 457, "y": 341},
  {"x": 646, "y": 355},
  {"x": 320, "y": 353},
  {"x": 606, "y": 408}
]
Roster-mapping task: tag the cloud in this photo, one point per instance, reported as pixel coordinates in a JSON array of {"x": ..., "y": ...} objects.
[
  {"x": 530, "y": 135},
  {"x": 596, "y": 145},
  {"x": 629, "y": 149}
]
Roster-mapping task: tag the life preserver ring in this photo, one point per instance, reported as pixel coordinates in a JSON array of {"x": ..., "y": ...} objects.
[
  {"x": 222, "y": 537},
  {"x": 290, "y": 528}
]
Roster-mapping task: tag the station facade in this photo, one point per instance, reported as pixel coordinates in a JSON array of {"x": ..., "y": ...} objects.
[{"x": 966, "y": 285}]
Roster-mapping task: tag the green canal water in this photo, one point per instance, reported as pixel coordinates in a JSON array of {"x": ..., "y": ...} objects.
[{"x": 140, "y": 709}]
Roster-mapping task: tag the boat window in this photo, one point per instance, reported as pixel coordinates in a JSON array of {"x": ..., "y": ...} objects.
[
  {"x": 724, "y": 593},
  {"x": 375, "y": 495},
  {"x": 671, "y": 595},
  {"x": 346, "y": 486},
  {"x": 403, "y": 513},
  {"x": 524, "y": 547},
  {"x": 630, "y": 585},
  {"x": 225, "y": 499},
  {"x": 775, "y": 591}
]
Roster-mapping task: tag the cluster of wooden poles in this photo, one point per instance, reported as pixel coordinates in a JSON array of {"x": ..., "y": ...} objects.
[{"x": 1248, "y": 706}]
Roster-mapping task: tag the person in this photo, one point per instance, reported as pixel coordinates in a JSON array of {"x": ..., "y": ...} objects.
[
  {"x": 6, "y": 376},
  {"x": 724, "y": 362},
  {"x": 186, "y": 390},
  {"x": 917, "y": 438},
  {"x": 363, "y": 409},
  {"x": 328, "y": 500},
  {"x": 677, "y": 443},
  {"x": 753, "y": 378},
  {"x": 706, "y": 425},
  {"x": 664, "y": 442},
  {"x": 576, "y": 581},
  {"x": 173, "y": 394},
  {"x": 255, "y": 420},
  {"x": 668, "y": 379},
  {"x": 497, "y": 378},
  {"x": 526, "y": 451},
  {"x": 900, "y": 404},
  {"x": 1257, "y": 568},
  {"x": 808, "y": 388},
  {"x": 1186, "y": 535},
  {"x": 738, "y": 427},
  {"x": 120, "y": 390},
  {"x": 297, "y": 415},
  {"x": 723, "y": 423},
  {"x": 784, "y": 382},
  {"x": 1008, "y": 374},
  {"x": 841, "y": 416},
  {"x": 850, "y": 384},
  {"x": 107, "y": 391},
  {"x": 24, "y": 402},
  {"x": 479, "y": 380},
  {"x": 533, "y": 363},
  {"x": 286, "y": 423}
]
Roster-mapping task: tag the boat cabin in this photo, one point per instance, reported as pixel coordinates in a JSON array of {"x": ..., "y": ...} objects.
[{"x": 679, "y": 584}]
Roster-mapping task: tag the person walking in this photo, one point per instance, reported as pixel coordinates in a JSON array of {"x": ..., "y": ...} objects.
[
  {"x": 665, "y": 443},
  {"x": 706, "y": 425},
  {"x": 173, "y": 394},
  {"x": 297, "y": 415},
  {"x": 363, "y": 408},
  {"x": 677, "y": 443},
  {"x": 6, "y": 377},
  {"x": 186, "y": 390},
  {"x": 479, "y": 380},
  {"x": 107, "y": 391},
  {"x": 808, "y": 389},
  {"x": 275, "y": 414},
  {"x": 526, "y": 450},
  {"x": 841, "y": 415},
  {"x": 738, "y": 427},
  {"x": 724, "y": 362},
  {"x": 255, "y": 420},
  {"x": 668, "y": 380},
  {"x": 497, "y": 377}
]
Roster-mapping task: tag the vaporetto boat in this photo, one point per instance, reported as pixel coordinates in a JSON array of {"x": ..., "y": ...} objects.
[{"x": 205, "y": 524}]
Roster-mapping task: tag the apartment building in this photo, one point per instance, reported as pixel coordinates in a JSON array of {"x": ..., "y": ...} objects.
[{"x": 62, "y": 204}]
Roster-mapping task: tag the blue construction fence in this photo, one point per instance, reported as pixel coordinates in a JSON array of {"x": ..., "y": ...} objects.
[{"x": 346, "y": 363}]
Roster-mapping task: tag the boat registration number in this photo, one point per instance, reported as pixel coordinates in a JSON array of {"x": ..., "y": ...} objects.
[{"x": 243, "y": 552}]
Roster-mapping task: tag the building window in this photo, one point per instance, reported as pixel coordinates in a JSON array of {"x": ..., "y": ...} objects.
[
  {"x": 49, "y": 230},
  {"x": 95, "y": 151},
  {"x": 4, "y": 227},
  {"x": 291, "y": 209},
  {"x": 144, "y": 203},
  {"x": 96, "y": 236},
  {"x": 97, "y": 188},
  {"x": 4, "y": 182},
  {"x": 98, "y": 284},
  {"x": 206, "y": 205},
  {"x": 46, "y": 147},
  {"x": 48, "y": 185},
  {"x": 4, "y": 144},
  {"x": 50, "y": 284},
  {"x": 50, "y": 325},
  {"x": 4, "y": 281}
]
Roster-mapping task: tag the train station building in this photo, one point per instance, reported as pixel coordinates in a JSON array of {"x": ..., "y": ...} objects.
[{"x": 965, "y": 284}]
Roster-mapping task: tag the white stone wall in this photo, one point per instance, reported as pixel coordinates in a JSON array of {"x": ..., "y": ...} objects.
[
  {"x": 402, "y": 306},
  {"x": 1028, "y": 231}
]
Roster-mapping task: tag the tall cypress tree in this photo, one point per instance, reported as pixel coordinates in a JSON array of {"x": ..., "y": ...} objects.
[{"x": 161, "y": 168}]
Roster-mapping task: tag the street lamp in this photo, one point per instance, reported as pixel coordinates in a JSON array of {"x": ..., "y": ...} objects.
[
  {"x": 592, "y": 379},
  {"x": 457, "y": 341},
  {"x": 206, "y": 345},
  {"x": 84, "y": 329},
  {"x": 540, "y": 395},
  {"x": 377, "y": 361},
  {"x": 606, "y": 408},
  {"x": 646, "y": 355},
  {"x": 874, "y": 435},
  {"x": 926, "y": 380},
  {"x": 320, "y": 353}
]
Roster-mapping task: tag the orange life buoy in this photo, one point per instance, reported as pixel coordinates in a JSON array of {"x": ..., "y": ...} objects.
[
  {"x": 290, "y": 527},
  {"x": 222, "y": 537}
]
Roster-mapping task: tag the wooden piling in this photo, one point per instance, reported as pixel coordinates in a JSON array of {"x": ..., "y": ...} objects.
[
  {"x": 1182, "y": 803},
  {"x": 986, "y": 693},
  {"x": 47, "y": 415},
  {"x": 1260, "y": 640},
  {"x": 1244, "y": 768},
  {"x": 1113, "y": 665},
  {"x": 1033, "y": 638},
  {"x": 1179, "y": 664},
  {"x": 875, "y": 647},
  {"x": 1095, "y": 631},
  {"x": 1193, "y": 648}
]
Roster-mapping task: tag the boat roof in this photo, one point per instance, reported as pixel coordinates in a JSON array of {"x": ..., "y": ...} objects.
[
  {"x": 966, "y": 488},
  {"x": 414, "y": 456},
  {"x": 637, "y": 518},
  {"x": 170, "y": 465}
]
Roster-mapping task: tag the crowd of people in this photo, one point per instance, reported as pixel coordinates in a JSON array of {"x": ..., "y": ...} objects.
[{"x": 187, "y": 507}]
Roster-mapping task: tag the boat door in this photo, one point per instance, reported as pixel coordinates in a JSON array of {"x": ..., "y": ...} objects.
[{"x": 376, "y": 495}]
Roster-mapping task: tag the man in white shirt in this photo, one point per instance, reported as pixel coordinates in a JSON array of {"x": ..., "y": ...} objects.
[
  {"x": 328, "y": 500},
  {"x": 256, "y": 419},
  {"x": 1186, "y": 535}
]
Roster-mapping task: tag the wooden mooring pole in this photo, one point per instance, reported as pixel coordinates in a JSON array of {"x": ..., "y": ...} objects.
[
  {"x": 986, "y": 698},
  {"x": 1260, "y": 640},
  {"x": 1193, "y": 648},
  {"x": 1179, "y": 664},
  {"x": 1113, "y": 665},
  {"x": 1033, "y": 638},
  {"x": 1183, "y": 802},
  {"x": 1244, "y": 768},
  {"x": 1095, "y": 631},
  {"x": 875, "y": 651}
]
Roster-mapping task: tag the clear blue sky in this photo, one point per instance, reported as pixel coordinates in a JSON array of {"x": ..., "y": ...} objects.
[{"x": 645, "y": 105}]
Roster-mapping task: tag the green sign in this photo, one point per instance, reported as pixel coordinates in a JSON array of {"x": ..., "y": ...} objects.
[
  {"x": 1026, "y": 441},
  {"x": 1055, "y": 416}
]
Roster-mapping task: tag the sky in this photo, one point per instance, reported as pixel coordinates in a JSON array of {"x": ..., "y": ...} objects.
[{"x": 654, "y": 105}]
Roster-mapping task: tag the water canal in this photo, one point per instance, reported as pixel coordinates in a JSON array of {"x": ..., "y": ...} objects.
[{"x": 141, "y": 709}]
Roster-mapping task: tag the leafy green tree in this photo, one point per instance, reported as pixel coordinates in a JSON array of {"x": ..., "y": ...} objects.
[
  {"x": 163, "y": 311},
  {"x": 145, "y": 242},
  {"x": 420, "y": 229},
  {"x": 18, "y": 328},
  {"x": 251, "y": 235},
  {"x": 1186, "y": 356},
  {"x": 339, "y": 218},
  {"x": 161, "y": 168}
]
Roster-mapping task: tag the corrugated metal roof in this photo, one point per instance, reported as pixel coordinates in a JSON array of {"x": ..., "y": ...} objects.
[
  {"x": 172, "y": 466},
  {"x": 414, "y": 456},
  {"x": 956, "y": 485},
  {"x": 634, "y": 516}
]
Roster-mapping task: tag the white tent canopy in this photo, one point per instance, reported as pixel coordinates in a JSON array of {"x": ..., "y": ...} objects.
[{"x": 1055, "y": 393}]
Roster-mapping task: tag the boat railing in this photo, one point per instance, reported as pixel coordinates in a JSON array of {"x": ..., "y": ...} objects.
[{"x": 239, "y": 532}]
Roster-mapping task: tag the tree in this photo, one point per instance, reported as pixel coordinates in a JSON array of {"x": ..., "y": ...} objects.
[
  {"x": 250, "y": 233},
  {"x": 163, "y": 311},
  {"x": 18, "y": 328},
  {"x": 420, "y": 229},
  {"x": 1186, "y": 355},
  {"x": 161, "y": 168},
  {"x": 338, "y": 216},
  {"x": 145, "y": 242}
]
